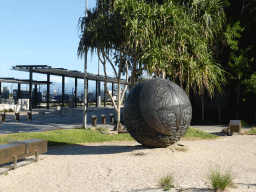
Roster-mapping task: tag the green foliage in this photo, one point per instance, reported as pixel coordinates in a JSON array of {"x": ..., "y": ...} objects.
[
  {"x": 163, "y": 37},
  {"x": 10, "y": 110},
  {"x": 169, "y": 38},
  {"x": 243, "y": 123},
  {"x": 238, "y": 59},
  {"x": 251, "y": 132},
  {"x": 218, "y": 180},
  {"x": 232, "y": 33},
  {"x": 166, "y": 182}
]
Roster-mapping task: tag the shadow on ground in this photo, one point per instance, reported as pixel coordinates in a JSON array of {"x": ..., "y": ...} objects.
[
  {"x": 178, "y": 190},
  {"x": 76, "y": 149}
]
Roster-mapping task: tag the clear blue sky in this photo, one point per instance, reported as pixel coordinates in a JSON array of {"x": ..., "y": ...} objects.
[{"x": 44, "y": 32}]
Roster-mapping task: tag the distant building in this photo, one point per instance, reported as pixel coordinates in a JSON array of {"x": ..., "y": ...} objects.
[
  {"x": 5, "y": 93},
  {"x": 25, "y": 95}
]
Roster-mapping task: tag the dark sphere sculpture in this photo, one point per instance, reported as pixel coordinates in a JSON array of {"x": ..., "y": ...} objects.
[{"x": 157, "y": 113}]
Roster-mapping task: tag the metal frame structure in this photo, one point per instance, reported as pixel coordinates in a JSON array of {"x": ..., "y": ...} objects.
[
  {"x": 21, "y": 81},
  {"x": 45, "y": 69}
]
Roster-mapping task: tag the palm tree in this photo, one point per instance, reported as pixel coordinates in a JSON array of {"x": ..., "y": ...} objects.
[{"x": 160, "y": 38}]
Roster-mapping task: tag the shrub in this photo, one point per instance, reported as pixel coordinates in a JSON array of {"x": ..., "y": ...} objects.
[
  {"x": 166, "y": 182},
  {"x": 220, "y": 181},
  {"x": 243, "y": 123}
]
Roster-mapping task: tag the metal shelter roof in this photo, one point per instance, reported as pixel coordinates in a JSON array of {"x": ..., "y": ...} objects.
[
  {"x": 22, "y": 81},
  {"x": 45, "y": 69}
]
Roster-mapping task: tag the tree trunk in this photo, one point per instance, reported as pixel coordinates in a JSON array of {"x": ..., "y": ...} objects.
[
  {"x": 219, "y": 108},
  {"x": 237, "y": 101},
  {"x": 163, "y": 75},
  {"x": 118, "y": 123},
  {"x": 202, "y": 108},
  {"x": 218, "y": 95}
]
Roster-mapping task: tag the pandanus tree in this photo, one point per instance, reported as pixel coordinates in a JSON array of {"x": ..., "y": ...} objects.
[
  {"x": 156, "y": 37},
  {"x": 233, "y": 46},
  {"x": 174, "y": 40},
  {"x": 101, "y": 32}
]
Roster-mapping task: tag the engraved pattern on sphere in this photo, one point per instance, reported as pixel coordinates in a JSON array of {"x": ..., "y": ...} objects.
[{"x": 163, "y": 121}]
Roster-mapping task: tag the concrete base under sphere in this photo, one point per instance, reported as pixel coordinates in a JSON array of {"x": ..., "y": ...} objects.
[{"x": 157, "y": 113}]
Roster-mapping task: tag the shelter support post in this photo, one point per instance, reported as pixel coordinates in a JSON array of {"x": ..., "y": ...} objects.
[
  {"x": 99, "y": 94},
  {"x": 112, "y": 92},
  {"x": 48, "y": 90},
  {"x": 35, "y": 96},
  {"x": 75, "y": 92},
  {"x": 105, "y": 98},
  {"x": 18, "y": 90},
  {"x": 63, "y": 90},
  {"x": 96, "y": 93},
  {"x": 30, "y": 88}
]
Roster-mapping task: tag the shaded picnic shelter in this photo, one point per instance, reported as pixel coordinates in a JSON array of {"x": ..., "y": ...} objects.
[
  {"x": 48, "y": 70},
  {"x": 22, "y": 81}
]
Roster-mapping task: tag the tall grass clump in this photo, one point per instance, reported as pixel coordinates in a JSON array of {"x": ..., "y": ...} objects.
[
  {"x": 220, "y": 181},
  {"x": 166, "y": 182},
  {"x": 243, "y": 123}
]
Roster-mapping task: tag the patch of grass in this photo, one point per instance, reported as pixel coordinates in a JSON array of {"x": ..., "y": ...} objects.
[
  {"x": 220, "y": 181},
  {"x": 80, "y": 135},
  {"x": 66, "y": 137},
  {"x": 243, "y": 123},
  {"x": 193, "y": 133},
  {"x": 166, "y": 182},
  {"x": 251, "y": 132},
  {"x": 102, "y": 129},
  {"x": 6, "y": 173}
]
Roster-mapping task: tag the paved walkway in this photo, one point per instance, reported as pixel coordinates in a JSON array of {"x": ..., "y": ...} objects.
[{"x": 52, "y": 122}]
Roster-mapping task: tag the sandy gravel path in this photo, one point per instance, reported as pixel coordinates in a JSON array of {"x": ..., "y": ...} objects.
[{"x": 127, "y": 166}]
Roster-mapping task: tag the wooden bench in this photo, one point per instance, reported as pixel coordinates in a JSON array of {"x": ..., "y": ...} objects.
[
  {"x": 234, "y": 126},
  {"x": 15, "y": 150}
]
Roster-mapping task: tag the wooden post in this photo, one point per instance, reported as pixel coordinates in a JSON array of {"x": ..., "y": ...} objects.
[
  {"x": 17, "y": 116},
  {"x": 103, "y": 119},
  {"x": 36, "y": 156},
  {"x": 111, "y": 118},
  {"x": 14, "y": 162},
  {"x": 94, "y": 121}
]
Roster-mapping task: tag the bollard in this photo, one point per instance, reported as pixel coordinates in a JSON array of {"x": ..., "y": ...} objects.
[
  {"x": 17, "y": 116},
  {"x": 3, "y": 117},
  {"x": 94, "y": 121},
  {"x": 112, "y": 118},
  {"x": 103, "y": 119},
  {"x": 29, "y": 115}
]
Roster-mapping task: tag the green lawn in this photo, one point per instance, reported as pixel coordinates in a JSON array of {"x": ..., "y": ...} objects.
[
  {"x": 66, "y": 136},
  {"x": 195, "y": 134},
  {"x": 80, "y": 135}
]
